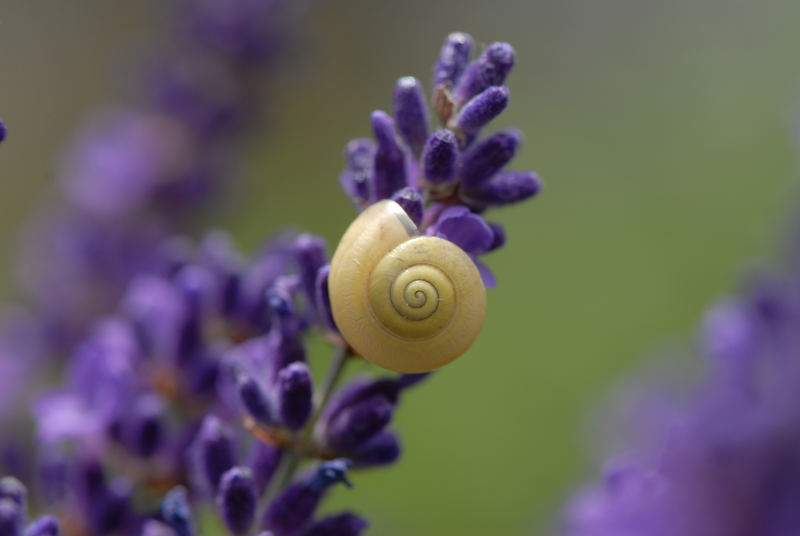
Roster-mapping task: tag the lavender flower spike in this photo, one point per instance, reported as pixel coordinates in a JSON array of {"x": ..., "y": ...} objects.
[{"x": 3, "y": 131}]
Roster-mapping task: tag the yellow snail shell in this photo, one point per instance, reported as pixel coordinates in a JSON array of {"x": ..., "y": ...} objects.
[{"x": 406, "y": 302}]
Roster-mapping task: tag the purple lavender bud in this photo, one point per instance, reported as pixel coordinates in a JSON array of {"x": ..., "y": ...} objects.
[
  {"x": 482, "y": 108},
  {"x": 237, "y": 499},
  {"x": 312, "y": 254},
  {"x": 358, "y": 390},
  {"x": 13, "y": 489},
  {"x": 487, "y": 158},
  {"x": 216, "y": 452},
  {"x": 264, "y": 460},
  {"x": 344, "y": 524},
  {"x": 439, "y": 156},
  {"x": 253, "y": 397},
  {"x": 323, "y": 298},
  {"x": 453, "y": 59},
  {"x": 147, "y": 429},
  {"x": 410, "y": 199},
  {"x": 499, "y": 235},
  {"x": 357, "y": 424},
  {"x": 11, "y": 518},
  {"x": 44, "y": 526},
  {"x": 468, "y": 231},
  {"x": 293, "y": 508},
  {"x": 3, "y": 131},
  {"x": 356, "y": 180},
  {"x": 490, "y": 69},
  {"x": 294, "y": 395},
  {"x": 410, "y": 113},
  {"x": 390, "y": 166},
  {"x": 505, "y": 188},
  {"x": 382, "y": 449},
  {"x": 176, "y": 512}
]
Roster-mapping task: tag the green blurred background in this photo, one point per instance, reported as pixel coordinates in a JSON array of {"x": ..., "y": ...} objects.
[{"x": 664, "y": 132}]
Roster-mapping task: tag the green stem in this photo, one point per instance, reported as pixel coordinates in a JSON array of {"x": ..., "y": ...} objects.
[{"x": 293, "y": 456}]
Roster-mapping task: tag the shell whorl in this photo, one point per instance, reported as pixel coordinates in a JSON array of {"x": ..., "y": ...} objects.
[{"x": 406, "y": 302}]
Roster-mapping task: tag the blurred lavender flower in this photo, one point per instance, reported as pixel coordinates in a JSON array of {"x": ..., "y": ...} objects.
[
  {"x": 135, "y": 176},
  {"x": 13, "y": 512},
  {"x": 3, "y": 131},
  {"x": 728, "y": 464}
]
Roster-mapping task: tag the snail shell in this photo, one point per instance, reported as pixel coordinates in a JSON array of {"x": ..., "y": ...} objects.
[{"x": 406, "y": 302}]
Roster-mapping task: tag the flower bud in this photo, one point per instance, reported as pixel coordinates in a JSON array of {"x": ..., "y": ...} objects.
[
  {"x": 410, "y": 113},
  {"x": 453, "y": 59},
  {"x": 237, "y": 499},
  {"x": 390, "y": 165}
]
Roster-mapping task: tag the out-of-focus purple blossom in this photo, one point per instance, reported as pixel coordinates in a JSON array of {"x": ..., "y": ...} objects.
[
  {"x": 245, "y": 30},
  {"x": 292, "y": 510},
  {"x": 44, "y": 526},
  {"x": 237, "y": 499},
  {"x": 3, "y": 131},
  {"x": 215, "y": 452},
  {"x": 727, "y": 464},
  {"x": 177, "y": 513},
  {"x": 294, "y": 395}
]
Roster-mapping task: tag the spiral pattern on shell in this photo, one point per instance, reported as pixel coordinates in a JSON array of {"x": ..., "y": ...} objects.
[{"x": 406, "y": 302}]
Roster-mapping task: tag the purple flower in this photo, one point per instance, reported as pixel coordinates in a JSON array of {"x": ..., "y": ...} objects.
[
  {"x": 291, "y": 511},
  {"x": 427, "y": 172},
  {"x": 3, "y": 131},
  {"x": 727, "y": 464},
  {"x": 236, "y": 499}
]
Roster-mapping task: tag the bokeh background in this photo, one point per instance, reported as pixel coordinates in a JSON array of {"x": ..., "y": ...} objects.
[{"x": 664, "y": 132}]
